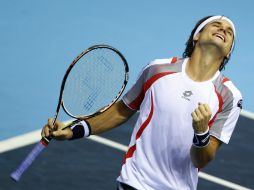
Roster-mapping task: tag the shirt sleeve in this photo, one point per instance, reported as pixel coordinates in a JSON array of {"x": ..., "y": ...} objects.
[
  {"x": 134, "y": 96},
  {"x": 226, "y": 120}
]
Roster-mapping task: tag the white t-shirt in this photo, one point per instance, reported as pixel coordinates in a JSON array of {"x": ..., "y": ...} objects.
[{"x": 159, "y": 151}]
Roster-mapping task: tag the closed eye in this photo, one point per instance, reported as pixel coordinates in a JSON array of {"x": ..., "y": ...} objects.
[{"x": 230, "y": 33}]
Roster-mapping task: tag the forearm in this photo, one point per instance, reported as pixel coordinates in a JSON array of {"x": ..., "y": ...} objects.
[
  {"x": 117, "y": 114},
  {"x": 202, "y": 156},
  {"x": 113, "y": 117}
]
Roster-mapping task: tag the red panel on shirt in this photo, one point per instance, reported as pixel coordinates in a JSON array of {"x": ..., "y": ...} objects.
[
  {"x": 132, "y": 149},
  {"x": 136, "y": 103},
  {"x": 219, "y": 110}
]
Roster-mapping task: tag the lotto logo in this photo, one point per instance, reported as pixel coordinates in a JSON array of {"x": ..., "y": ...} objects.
[{"x": 187, "y": 94}]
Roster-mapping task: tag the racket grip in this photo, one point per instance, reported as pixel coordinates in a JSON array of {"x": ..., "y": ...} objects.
[{"x": 28, "y": 160}]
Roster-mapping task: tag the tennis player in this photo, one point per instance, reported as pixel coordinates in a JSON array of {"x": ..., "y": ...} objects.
[{"x": 188, "y": 109}]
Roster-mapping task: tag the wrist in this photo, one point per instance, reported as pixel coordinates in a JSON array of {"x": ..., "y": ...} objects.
[
  {"x": 201, "y": 132},
  {"x": 80, "y": 129},
  {"x": 201, "y": 140}
]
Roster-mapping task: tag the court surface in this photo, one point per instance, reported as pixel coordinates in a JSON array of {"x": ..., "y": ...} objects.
[
  {"x": 89, "y": 164},
  {"x": 38, "y": 41}
]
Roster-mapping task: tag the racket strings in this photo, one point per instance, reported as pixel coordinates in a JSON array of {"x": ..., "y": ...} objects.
[
  {"x": 91, "y": 98},
  {"x": 94, "y": 82}
]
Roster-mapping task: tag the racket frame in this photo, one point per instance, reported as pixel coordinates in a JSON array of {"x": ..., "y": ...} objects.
[{"x": 60, "y": 104}]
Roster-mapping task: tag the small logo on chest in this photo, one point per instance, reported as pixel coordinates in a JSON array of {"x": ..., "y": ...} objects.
[{"x": 187, "y": 94}]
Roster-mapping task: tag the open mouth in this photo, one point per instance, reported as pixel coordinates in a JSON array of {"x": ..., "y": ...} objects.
[{"x": 220, "y": 36}]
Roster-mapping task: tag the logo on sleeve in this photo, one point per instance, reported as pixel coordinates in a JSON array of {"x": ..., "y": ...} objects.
[{"x": 240, "y": 104}]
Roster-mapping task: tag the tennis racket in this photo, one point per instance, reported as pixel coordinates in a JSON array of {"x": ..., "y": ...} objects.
[{"x": 93, "y": 82}]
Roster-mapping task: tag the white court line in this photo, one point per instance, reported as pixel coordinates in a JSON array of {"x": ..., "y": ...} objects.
[
  {"x": 247, "y": 114},
  {"x": 33, "y": 137},
  {"x": 20, "y": 141}
]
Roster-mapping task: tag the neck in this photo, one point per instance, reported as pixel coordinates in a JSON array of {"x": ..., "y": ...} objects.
[{"x": 203, "y": 64}]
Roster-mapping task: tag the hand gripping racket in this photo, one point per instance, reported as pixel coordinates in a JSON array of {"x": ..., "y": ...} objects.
[{"x": 93, "y": 82}]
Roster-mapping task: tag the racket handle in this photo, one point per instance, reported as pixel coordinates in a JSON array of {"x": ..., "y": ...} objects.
[{"x": 29, "y": 160}]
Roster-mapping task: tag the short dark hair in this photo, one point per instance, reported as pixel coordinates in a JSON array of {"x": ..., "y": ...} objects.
[{"x": 190, "y": 45}]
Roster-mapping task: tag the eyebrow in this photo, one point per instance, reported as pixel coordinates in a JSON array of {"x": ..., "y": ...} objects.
[{"x": 217, "y": 22}]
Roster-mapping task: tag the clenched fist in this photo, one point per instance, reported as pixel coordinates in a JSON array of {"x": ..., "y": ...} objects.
[{"x": 201, "y": 117}]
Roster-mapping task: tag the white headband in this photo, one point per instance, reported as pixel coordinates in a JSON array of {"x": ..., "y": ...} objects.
[{"x": 203, "y": 24}]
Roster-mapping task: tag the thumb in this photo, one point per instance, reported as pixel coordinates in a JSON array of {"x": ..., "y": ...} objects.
[
  {"x": 62, "y": 134},
  {"x": 58, "y": 133},
  {"x": 59, "y": 125}
]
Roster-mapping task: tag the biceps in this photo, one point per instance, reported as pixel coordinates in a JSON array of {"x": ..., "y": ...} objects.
[{"x": 123, "y": 110}]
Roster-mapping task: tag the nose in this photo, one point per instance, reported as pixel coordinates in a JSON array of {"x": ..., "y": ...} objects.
[{"x": 222, "y": 29}]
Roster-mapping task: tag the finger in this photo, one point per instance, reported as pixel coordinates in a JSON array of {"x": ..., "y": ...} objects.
[
  {"x": 51, "y": 124},
  {"x": 45, "y": 131},
  {"x": 58, "y": 125},
  {"x": 199, "y": 114},
  {"x": 42, "y": 132},
  {"x": 194, "y": 116},
  {"x": 207, "y": 108},
  {"x": 202, "y": 109},
  {"x": 60, "y": 134}
]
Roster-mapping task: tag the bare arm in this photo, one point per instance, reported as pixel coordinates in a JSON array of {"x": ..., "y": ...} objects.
[
  {"x": 117, "y": 114},
  {"x": 202, "y": 156},
  {"x": 113, "y": 117}
]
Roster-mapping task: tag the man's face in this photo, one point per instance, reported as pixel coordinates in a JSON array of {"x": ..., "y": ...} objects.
[{"x": 218, "y": 33}]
